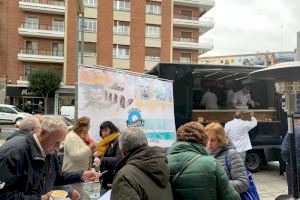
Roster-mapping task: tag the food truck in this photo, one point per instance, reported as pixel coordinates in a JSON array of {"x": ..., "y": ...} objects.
[{"x": 191, "y": 81}]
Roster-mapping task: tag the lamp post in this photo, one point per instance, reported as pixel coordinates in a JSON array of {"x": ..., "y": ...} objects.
[
  {"x": 287, "y": 82},
  {"x": 80, "y": 15}
]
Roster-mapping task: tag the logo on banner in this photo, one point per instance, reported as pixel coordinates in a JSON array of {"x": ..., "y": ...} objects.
[{"x": 134, "y": 118}]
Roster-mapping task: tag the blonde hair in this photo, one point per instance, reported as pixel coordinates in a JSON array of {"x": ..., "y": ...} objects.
[{"x": 217, "y": 129}]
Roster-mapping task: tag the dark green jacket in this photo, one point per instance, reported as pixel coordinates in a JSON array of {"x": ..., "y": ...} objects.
[{"x": 204, "y": 179}]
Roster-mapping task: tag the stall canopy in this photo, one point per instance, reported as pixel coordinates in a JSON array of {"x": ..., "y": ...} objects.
[{"x": 204, "y": 71}]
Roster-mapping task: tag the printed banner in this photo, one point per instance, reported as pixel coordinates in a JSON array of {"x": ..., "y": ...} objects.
[{"x": 128, "y": 101}]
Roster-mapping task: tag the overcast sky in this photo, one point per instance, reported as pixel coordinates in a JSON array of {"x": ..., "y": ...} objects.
[{"x": 249, "y": 26}]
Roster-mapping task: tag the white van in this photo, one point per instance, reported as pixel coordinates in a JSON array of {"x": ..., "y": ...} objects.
[{"x": 68, "y": 111}]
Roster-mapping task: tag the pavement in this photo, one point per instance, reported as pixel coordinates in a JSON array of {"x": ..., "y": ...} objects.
[{"x": 268, "y": 181}]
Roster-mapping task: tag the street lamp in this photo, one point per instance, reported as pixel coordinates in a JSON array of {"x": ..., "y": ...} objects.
[
  {"x": 287, "y": 82},
  {"x": 80, "y": 13}
]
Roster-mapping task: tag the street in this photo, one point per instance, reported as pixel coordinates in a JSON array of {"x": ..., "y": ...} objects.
[{"x": 268, "y": 182}]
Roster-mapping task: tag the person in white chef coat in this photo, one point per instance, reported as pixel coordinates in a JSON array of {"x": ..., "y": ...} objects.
[
  {"x": 210, "y": 100},
  {"x": 243, "y": 98},
  {"x": 238, "y": 132}
]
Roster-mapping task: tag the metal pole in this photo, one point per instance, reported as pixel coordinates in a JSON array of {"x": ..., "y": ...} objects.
[
  {"x": 82, "y": 38},
  {"x": 76, "y": 67},
  {"x": 293, "y": 159}
]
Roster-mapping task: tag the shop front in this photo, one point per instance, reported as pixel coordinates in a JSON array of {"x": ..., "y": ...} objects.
[{"x": 27, "y": 101}]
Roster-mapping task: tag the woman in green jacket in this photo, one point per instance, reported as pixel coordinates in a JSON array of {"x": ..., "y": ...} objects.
[{"x": 194, "y": 175}]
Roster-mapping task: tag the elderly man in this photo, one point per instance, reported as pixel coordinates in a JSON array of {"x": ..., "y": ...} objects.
[
  {"x": 30, "y": 167},
  {"x": 143, "y": 172},
  {"x": 28, "y": 125}
]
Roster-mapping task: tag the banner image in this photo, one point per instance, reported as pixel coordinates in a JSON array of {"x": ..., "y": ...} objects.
[{"x": 128, "y": 101}]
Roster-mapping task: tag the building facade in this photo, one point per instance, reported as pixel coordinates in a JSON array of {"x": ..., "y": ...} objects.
[
  {"x": 129, "y": 34},
  {"x": 257, "y": 59}
]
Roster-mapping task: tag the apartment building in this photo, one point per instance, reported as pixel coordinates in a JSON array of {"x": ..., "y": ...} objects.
[
  {"x": 32, "y": 36},
  {"x": 136, "y": 35},
  {"x": 127, "y": 34},
  {"x": 256, "y": 59}
]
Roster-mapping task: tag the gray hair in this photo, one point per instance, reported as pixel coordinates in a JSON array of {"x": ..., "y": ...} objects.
[
  {"x": 53, "y": 124},
  {"x": 30, "y": 124},
  {"x": 132, "y": 138}
]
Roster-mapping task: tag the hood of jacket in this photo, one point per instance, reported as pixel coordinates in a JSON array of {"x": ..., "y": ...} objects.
[
  {"x": 183, "y": 146},
  {"x": 152, "y": 161}
]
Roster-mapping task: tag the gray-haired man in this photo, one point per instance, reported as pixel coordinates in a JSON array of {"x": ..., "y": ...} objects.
[
  {"x": 30, "y": 167},
  {"x": 143, "y": 172},
  {"x": 28, "y": 125}
]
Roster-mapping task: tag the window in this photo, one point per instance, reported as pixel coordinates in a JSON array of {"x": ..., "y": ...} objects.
[
  {"x": 59, "y": 2},
  {"x": 185, "y": 57},
  {"x": 152, "y": 54},
  {"x": 122, "y": 5},
  {"x": 90, "y": 3},
  {"x": 27, "y": 71},
  {"x": 187, "y": 14},
  {"x": 89, "y": 49},
  {"x": 90, "y": 25},
  {"x": 121, "y": 28},
  {"x": 153, "y": 9},
  {"x": 31, "y": 47},
  {"x": 121, "y": 51},
  {"x": 32, "y": 23},
  {"x": 153, "y": 31},
  {"x": 58, "y": 25},
  {"x": 226, "y": 62},
  {"x": 8, "y": 110},
  {"x": 57, "y": 49}
]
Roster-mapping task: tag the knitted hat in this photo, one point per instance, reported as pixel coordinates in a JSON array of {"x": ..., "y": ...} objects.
[{"x": 192, "y": 132}]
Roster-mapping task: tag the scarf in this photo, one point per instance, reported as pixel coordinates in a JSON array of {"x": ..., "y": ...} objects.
[{"x": 103, "y": 145}]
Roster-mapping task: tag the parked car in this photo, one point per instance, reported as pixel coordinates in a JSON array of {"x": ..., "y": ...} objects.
[{"x": 11, "y": 114}]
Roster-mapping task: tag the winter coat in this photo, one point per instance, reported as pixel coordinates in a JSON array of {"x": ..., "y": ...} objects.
[
  {"x": 142, "y": 174},
  {"x": 17, "y": 133},
  {"x": 77, "y": 155},
  {"x": 205, "y": 178},
  {"x": 238, "y": 177},
  {"x": 26, "y": 174},
  {"x": 285, "y": 153},
  {"x": 109, "y": 162}
]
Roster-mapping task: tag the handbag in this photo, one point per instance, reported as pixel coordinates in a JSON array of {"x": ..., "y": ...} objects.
[
  {"x": 193, "y": 159},
  {"x": 251, "y": 193}
]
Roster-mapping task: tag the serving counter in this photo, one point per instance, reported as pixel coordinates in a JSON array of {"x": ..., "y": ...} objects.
[{"x": 223, "y": 116}]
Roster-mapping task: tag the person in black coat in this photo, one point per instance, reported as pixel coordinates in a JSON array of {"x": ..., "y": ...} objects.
[{"x": 108, "y": 153}]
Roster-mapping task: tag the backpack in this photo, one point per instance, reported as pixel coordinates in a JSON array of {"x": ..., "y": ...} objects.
[{"x": 251, "y": 193}]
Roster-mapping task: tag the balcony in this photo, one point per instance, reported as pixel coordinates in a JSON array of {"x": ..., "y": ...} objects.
[
  {"x": 204, "y": 23},
  {"x": 203, "y": 4},
  {"x": 43, "y": 6},
  {"x": 42, "y": 31},
  {"x": 203, "y": 45},
  {"x": 44, "y": 56}
]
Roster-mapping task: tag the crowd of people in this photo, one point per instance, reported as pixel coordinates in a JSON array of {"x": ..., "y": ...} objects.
[{"x": 205, "y": 162}]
